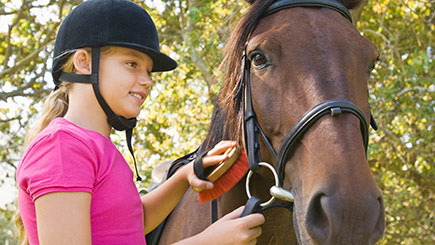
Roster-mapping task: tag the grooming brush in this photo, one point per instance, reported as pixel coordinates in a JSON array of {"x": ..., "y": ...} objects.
[{"x": 225, "y": 174}]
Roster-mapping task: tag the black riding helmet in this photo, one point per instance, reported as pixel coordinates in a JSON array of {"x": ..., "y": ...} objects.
[{"x": 99, "y": 23}]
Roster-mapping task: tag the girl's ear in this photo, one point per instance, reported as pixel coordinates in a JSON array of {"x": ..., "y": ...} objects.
[{"x": 82, "y": 62}]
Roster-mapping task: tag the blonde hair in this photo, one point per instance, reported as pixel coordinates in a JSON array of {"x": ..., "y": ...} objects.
[{"x": 54, "y": 105}]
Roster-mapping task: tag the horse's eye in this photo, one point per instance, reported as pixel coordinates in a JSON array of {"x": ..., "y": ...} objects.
[
  {"x": 371, "y": 68},
  {"x": 258, "y": 60}
]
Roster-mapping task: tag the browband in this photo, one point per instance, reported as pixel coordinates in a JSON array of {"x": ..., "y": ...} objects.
[{"x": 331, "y": 4}]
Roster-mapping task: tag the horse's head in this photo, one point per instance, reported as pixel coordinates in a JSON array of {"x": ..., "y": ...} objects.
[{"x": 300, "y": 57}]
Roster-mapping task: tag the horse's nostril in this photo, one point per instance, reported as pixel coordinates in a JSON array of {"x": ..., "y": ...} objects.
[
  {"x": 317, "y": 222},
  {"x": 325, "y": 214},
  {"x": 380, "y": 224}
]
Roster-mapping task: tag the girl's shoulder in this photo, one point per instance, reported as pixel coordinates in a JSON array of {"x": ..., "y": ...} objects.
[
  {"x": 63, "y": 157},
  {"x": 65, "y": 131},
  {"x": 61, "y": 125},
  {"x": 69, "y": 139}
]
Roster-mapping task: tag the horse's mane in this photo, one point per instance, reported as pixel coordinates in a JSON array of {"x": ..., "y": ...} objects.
[{"x": 226, "y": 122}]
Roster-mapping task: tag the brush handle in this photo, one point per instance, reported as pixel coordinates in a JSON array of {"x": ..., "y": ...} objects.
[
  {"x": 222, "y": 167},
  {"x": 252, "y": 206}
]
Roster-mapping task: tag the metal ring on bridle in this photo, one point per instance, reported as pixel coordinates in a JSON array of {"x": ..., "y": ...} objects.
[{"x": 275, "y": 175}]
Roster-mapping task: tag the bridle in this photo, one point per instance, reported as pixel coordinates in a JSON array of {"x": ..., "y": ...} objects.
[{"x": 252, "y": 128}]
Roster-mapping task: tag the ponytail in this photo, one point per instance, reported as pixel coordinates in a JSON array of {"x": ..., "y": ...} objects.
[
  {"x": 22, "y": 239},
  {"x": 54, "y": 105}
]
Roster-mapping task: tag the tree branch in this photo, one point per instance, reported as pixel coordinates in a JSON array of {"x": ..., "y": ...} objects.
[
  {"x": 413, "y": 11},
  {"x": 200, "y": 64},
  {"x": 2, "y": 12},
  {"x": 8, "y": 38},
  {"x": 26, "y": 60},
  {"x": 10, "y": 119},
  {"x": 415, "y": 88},
  {"x": 376, "y": 34},
  {"x": 10, "y": 162},
  {"x": 20, "y": 91},
  {"x": 20, "y": 63}
]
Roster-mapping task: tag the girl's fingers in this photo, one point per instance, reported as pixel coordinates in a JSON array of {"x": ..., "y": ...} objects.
[
  {"x": 216, "y": 155},
  {"x": 232, "y": 229},
  {"x": 253, "y": 220},
  {"x": 199, "y": 185},
  {"x": 234, "y": 214},
  {"x": 213, "y": 160},
  {"x": 213, "y": 157},
  {"x": 221, "y": 147},
  {"x": 253, "y": 242},
  {"x": 255, "y": 232}
]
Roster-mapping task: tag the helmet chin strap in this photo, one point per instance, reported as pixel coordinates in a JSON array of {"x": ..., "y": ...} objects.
[{"x": 119, "y": 123}]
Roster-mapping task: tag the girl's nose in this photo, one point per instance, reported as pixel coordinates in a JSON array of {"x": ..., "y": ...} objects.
[{"x": 145, "y": 80}]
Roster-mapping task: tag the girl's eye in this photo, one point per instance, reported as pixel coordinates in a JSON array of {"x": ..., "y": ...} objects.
[
  {"x": 258, "y": 60},
  {"x": 132, "y": 64}
]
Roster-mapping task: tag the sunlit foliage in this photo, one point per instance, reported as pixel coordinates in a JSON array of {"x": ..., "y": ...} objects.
[{"x": 175, "y": 118}]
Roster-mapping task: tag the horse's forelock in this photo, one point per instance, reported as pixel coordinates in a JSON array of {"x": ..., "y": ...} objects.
[{"x": 231, "y": 127}]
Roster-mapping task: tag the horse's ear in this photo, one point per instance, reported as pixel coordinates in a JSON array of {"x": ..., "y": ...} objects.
[
  {"x": 251, "y": 1},
  {"x": 355, "y": 7},
  {"x": 353, "y": 4}
]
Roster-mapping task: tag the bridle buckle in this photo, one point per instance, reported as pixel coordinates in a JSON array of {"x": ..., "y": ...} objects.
[{"x": 335, "y": 111}]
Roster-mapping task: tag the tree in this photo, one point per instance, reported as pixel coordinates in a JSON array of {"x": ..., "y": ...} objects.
[
  {"x": 178, "y": 111},
  {"x": 402, "y": 97},
  {"x": 8, "y": 233},
  {"x": 176, "y": 116}
]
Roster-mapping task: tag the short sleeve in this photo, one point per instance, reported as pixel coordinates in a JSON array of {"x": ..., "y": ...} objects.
[{"x": 58, "y": 162}]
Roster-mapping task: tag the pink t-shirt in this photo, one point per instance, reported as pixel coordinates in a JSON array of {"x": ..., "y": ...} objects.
[{"x": 67, "y": 158}]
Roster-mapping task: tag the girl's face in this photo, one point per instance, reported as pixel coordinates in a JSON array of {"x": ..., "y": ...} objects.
[{"x": 125, "y": 80}]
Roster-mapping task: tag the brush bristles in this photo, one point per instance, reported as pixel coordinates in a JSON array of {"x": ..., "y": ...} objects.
[{"x": 226, "y": 181}]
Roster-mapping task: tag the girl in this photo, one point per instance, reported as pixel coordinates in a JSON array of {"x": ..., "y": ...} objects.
[{"x": 74, "y": 185}]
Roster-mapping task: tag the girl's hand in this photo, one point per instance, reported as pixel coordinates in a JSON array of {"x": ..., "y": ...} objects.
[
  {"x": 213, "y": 157},
  {"x": 230, "y": 229}
]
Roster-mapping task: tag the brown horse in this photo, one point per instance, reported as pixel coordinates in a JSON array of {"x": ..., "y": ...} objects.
[{"x": 298, "y": 57}]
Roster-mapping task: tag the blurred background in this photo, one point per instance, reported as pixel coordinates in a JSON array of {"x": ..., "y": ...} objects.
[{"x": 175, "y": 118}]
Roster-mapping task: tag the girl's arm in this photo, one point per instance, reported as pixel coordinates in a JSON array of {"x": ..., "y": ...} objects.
[
  {"x": 160, "y": 202},
  {"x": 64, "y": 218}
]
